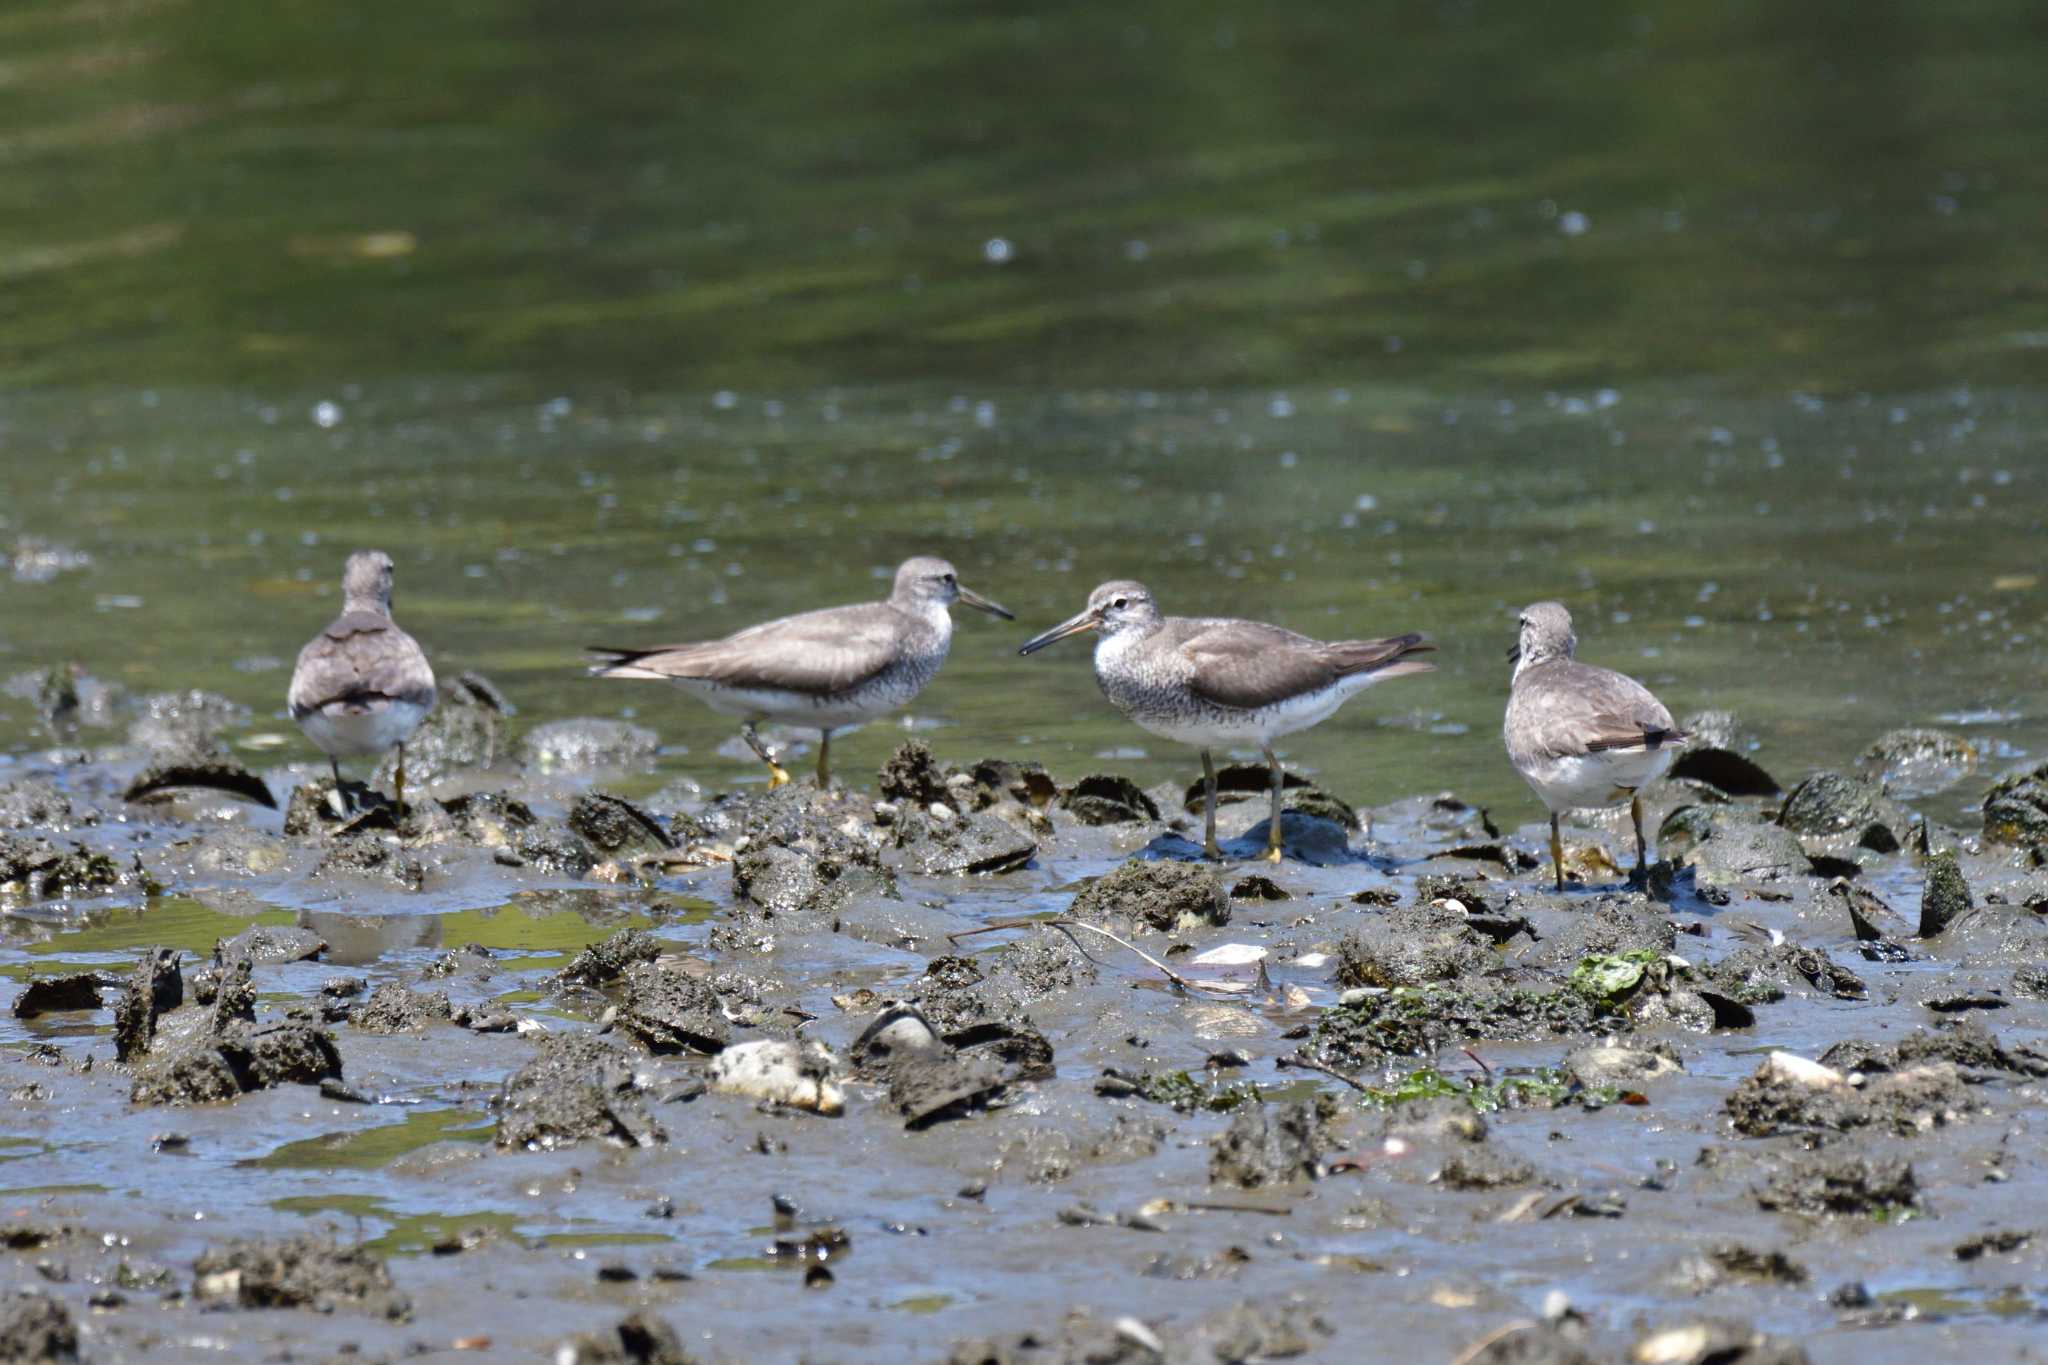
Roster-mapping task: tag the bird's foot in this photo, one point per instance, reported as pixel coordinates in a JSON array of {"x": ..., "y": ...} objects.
[
  {"x": 1212, "y": 851},
  {"x": 778, "y": 776},
  {"x": 1272, "y": 854}
]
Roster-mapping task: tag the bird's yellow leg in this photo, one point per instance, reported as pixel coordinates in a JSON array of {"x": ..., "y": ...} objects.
[
  {"x": 1210, "y": 848},
  {"x": 1557, "y": 852},
  {"x": 824, "y": 759},
  {"x": 1272, "y": 853},
  {"x": 778, "y": 776}
]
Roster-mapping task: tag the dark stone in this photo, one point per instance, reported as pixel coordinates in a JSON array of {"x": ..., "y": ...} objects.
[
  {"x": 1944, "y": 897},
  {"x": 613, "y": 825},
  {"x": 576, "y": 1087},
  {"x": 48, "y": 994},
  {"x": 1726, "y": 771},
  {"x": 1156, "y": 895},
  {"x": 465, "y": 731},
  {"x": 1835, "y": 805},
  {"x": 301, "y": 1272},
  {"x": 206, "y": 770},
  {"x": 364, "y": 853},
  {"x": 2016, "y": 809},
  {"x": 1108, "y": 799},
  {"x": 672, "y": 1011},
  {"x": 155, "y": 984},
  {"x": 1482, "y": 1168},
  {"x": 1240, "y": 782},
  {"x": 637, "y": 1340},
  {"x": 783, "y": 878}
]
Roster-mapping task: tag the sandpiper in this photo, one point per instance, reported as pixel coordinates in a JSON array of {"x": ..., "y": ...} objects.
[
  {"x": 824, "y": 670},
  {"x": 1214, "y": 682},
  {"x": 362, "y": 685},
  {"x": 1581, "y": 735}
]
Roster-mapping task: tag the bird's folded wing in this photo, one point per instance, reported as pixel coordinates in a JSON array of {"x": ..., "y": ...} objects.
[
  {"x": 1248, "y": 664},
  {"x": 364, "y": 658},
  {"x": 1601, "y": 711},
  {"x": 817, "y": 653}
]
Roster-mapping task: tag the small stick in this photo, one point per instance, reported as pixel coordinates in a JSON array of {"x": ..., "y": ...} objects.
[
  {"x": 1479, "y": 1060},
  {"x": 1307, "y": 1063},
  {"x": 1223, "y": 1206},
  {"x": 1021, "y": 922},
  {"x": 1063, "y": 924}
]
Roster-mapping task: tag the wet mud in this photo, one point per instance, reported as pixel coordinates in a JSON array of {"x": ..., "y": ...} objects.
[{"x": 981, "y": 1063}]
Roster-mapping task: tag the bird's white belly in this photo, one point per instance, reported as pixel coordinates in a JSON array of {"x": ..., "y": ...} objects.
[
  {"x": 1602, "y": 779},
  {"x": 341, "y": 729},
  {"x": 791, "y": 708},
  {"x": 1219, "y": 728}
]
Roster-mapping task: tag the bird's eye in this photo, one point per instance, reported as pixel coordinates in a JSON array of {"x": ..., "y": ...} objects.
[
  {"x": 945, "y": 578},
  {"x": 1121, "y": 603}
]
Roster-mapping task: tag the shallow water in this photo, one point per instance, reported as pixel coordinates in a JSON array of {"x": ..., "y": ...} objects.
[{"x": 1716, "y": 323}]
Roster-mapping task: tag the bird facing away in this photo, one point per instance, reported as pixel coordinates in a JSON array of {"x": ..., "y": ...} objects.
[
  {"x": 362, "y": 685},
  {"x": 1581, "y": 735},
  {"x": 822, "y": 670},
  {"x": 1216, "y": 683}
]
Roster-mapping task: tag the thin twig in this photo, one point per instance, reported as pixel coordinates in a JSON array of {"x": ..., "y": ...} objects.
[
  {"x": 1063, "y": 924},
  {"x": 1306, "y": 1063},
  {"x": 1478, "y": 1059},
  {"x": 1021, "y": 922}
]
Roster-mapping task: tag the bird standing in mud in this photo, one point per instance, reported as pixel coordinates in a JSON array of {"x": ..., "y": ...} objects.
[
  {"x": 1215, "y": 682},
  {"x": 362, "y": 685},
  {"x": 1581, "y": 735},
  {"x": 823, "y": 670}
]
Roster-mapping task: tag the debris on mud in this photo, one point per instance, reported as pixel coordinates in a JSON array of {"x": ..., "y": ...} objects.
[
  {"x": 34, "y": 868},
  {"x": 232, "y": 1057},
  {"x": 155, "y": 984},
  {"x": 576, "y": 1087},
  {"x": 1108, "y": 799},
  {"x": 1945, "y": 897},
  {"x": 393, "y": 1008},
  {"x": 302, "y": 1272},
  {"x": 1273, "y": 1144},
  {"x": 636, "y": 1340},
  {"x": 1842, "y": 1184},
  {"x": 1415, "y": 945},
  {"x": 1790, "y": 1094},
  {"x": 35, "y": 1328},
  {"x": 2016, "y": 809}
]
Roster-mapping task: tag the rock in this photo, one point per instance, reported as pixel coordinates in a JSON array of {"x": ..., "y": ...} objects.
[
  {"x": 1827, "y": 1183},
  {"x": 1414, "y": 945},
  {"x": 1734, "y": 1263},
  {"x": 1755, "y": 974},
  {"x": 576, "y": 1087},
  {"x": 613, "y": 826},
  {"x": 204, "y": 769},
  {"x": 471, "y": 960},
  {"x": 267, "y": 945},
  {"x": 1840, "y": 809},
  {"x": 1272, "y": 1145},
  {"x": 393, "y": 1008},
  {"x": 35, "y": 868},
  {"x": 1164, "y": 896},
  {"x": 1789, "y": 1094},
  {"x": 785, "y": 879},
  {"x": 1306, "y": 837},
  {"x": 1738, "y": 849},
  {"x": 366, "y": 854},
  {"x": 1727, "y": 772},
  {"x": 588, "y": 745},
  {"x": 964, "y": 845},
  {"x": 1367, "y": 1027},
  {"x": 50, "y": 994},
  {"x": 671, "y": 1011},
  {"x": 973, "y": 1013},
  {"x": 912, "y": 776},
  {"x": 1482, "y": 1168},
  {"x": 301, "y": 1272},
  {"x": 778, "y": 1071},
  {"x": 2016, "y": 809},
  {"x": 1914, "y": 762},
  {"x": 213, "y": 1067},
  {"x": 928, "y": 1081},
  {"x": 1108, "y": 799},
  {"x": 1611, "y": 1064},
  {"x": 155, "y": 984},
  {"x": 35, "y": 1328},
  {"x": 1240, "y": 782},
  {"x": 608, "y": 960},
  {"x": 1944, "y": 897}
]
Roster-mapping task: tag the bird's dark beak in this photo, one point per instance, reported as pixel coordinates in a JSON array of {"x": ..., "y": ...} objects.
[
  {"x": 969, "y": 598},
  {"x": 1073, "y": 625},
  {"x": 1514, "y": 654}
]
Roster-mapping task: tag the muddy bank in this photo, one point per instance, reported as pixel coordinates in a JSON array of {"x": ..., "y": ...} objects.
[{"x": 979, "y": 1063}]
